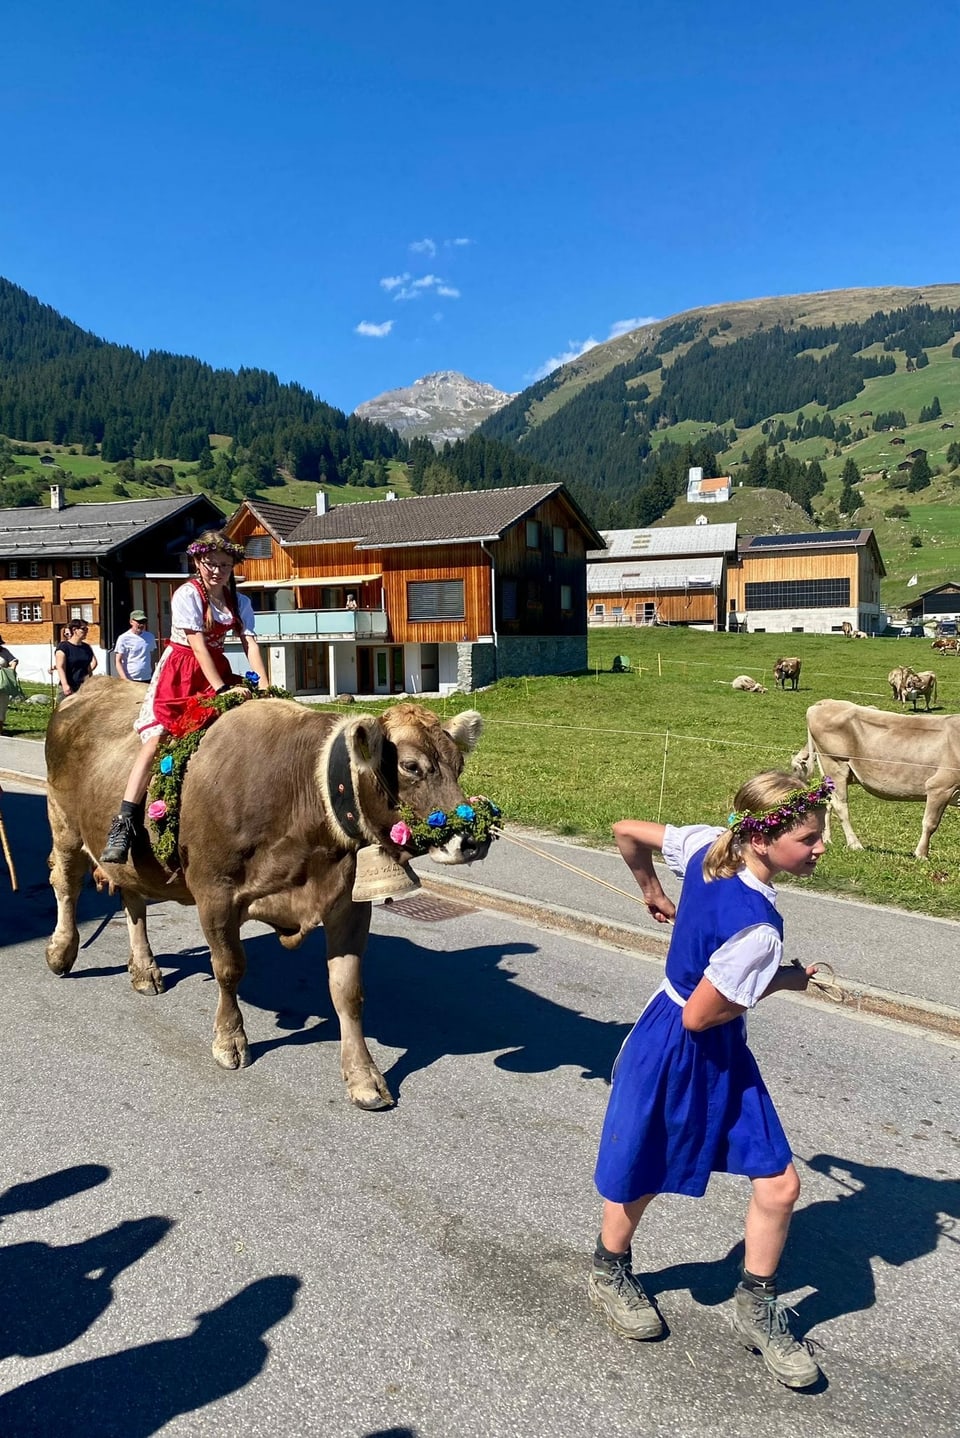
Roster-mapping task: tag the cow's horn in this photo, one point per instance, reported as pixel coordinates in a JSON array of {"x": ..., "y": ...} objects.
[{"x": 381, "y": 877}]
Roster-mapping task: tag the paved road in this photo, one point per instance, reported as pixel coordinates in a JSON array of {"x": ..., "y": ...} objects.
[{"x": 222, "y": 1252}]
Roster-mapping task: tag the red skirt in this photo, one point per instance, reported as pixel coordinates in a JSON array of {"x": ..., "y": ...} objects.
[{"x": 177, "y": 678}]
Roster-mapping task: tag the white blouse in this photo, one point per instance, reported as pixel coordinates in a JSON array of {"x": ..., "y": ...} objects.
[
  {"x": 186, "y": 613},
  {"x": 743, "y": 967}
]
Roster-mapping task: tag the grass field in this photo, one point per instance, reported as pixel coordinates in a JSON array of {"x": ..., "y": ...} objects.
[{"x": 671, "y": 740}]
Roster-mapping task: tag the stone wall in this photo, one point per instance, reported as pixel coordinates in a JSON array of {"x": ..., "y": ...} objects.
[{"x": 514, "y": 656}]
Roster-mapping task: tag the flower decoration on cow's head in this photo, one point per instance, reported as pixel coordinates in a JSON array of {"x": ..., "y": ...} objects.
[
  {"x": 476, "y": 822},
  {"x": 772, "y": 822}
]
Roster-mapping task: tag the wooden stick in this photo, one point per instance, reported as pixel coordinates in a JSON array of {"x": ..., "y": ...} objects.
[{"x": 7, "y": 854}]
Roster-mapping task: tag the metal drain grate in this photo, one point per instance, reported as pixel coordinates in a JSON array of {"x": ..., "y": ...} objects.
[{"x": 428, "y": 909}]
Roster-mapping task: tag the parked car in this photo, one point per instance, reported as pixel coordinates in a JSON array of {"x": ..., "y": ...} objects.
[
  {"x": 947, "y": 629},
  {"x": 912, "y": 631}
]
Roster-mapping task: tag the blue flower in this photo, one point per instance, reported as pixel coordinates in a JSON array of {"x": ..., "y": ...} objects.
[
  {"x": 166, "y": 764},
  {"x": 464, "y": 811},
  {"x": 253, "y": 677},
  {"x": 437, "y": 819}
]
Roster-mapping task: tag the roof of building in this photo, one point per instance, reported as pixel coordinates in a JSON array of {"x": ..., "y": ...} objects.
[
  {"x": 710, "y": 486},
  {"x": 472, "y": 515},
  {"x": 817, "y": 539},
  {"x": 91, "y": 529},
  {"x": 659, "y": 575},
  {"x": 280, "y": 520},
  {"x": 677, "y": 539}
]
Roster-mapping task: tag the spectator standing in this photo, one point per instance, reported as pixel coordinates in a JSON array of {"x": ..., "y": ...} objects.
[
  {"x": 74, "y": 658},
  {"x": 9, "y": 683},
  {"x": 134, "y": 650}
]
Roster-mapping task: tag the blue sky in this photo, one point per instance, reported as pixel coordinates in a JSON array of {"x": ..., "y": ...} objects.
[{"x": 354, "y": 196}]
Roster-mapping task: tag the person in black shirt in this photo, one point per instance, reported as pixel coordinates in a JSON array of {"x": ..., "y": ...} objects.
[{"x": 75, "y": 659}]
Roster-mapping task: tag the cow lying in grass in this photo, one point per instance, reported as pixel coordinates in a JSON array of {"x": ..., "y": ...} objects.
[{"x": 275, "y": 804}]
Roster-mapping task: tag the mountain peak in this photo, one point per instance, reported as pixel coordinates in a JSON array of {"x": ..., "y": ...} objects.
[{"x": 445, "y": 405}]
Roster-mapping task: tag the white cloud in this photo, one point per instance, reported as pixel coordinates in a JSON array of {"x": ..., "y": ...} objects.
[
  {"x": 623, "y": 327},
  {"x": 427, "y": 282},
  {"x": 392, "y": 282},
  {"x": 374, "y": 332},
  {"x": 448, "y": 292},
  {"x": 460, "y": 240},
  {"x": 424, "y": 247},
  {"x": 415, "y": 288},
  {"x": 576, "y": 348}
]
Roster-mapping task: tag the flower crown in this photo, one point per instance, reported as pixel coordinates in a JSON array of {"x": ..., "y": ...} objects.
[
  {"x": 200, "y": 547},
  {"x": 784, "y": 815}
]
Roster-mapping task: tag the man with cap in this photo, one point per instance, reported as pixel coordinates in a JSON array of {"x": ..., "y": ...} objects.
[{"x": 134, "y": 650}]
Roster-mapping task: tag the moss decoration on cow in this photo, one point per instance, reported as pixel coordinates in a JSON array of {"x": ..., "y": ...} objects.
[
  {"x": 175, "y": 753},
  {"x": 475, "y": 820}
]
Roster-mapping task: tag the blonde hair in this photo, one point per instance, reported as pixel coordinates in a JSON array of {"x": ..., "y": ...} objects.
[
  {"x": 214, "y": 541},
  {"x": 763, "y": 792}
]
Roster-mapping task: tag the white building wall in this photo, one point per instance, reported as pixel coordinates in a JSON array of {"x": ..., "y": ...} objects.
[{"x": 813, "y": 621}]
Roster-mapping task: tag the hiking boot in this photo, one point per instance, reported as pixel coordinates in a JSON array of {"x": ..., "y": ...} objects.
[
  {"x": 616, "y": 1292},
  {"x": 761, "y": 1325},
  {"x": 120, "y": 839}
]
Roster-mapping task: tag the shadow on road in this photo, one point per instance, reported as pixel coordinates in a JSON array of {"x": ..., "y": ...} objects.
[
  {"x": 878, "y": 1212},
  {"x": 31, "y": 912},
  {"x": 136, "y": 1392}
]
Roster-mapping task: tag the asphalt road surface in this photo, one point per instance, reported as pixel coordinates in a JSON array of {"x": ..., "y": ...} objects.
[{"x": 199, "y": 1252}]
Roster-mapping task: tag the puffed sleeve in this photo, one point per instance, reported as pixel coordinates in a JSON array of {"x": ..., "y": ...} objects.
[
  {"x": 742, "y": 968},
  {"x": 186, "y": 608},
  {"x": 681, "y": 843}
]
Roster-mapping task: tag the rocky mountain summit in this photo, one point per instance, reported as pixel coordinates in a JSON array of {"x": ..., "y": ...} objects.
[{"x": 441, "y": 406}]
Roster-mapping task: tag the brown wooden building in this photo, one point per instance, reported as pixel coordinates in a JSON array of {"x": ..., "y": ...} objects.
[
  {"x": 91, "y": 562},
  {"x": 451, "y": 591},
  {"x": 806, "y": 583},
  {"x": 672, "y": 575}
]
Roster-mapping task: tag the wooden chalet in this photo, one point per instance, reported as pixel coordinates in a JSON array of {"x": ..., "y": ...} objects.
[
  {"x": 806, "y": 583},
  {"x": 451, "y": 591},
  {"x": 941, "y": 602},
  {"x": 672, "y": 575},
  {"x": 94, "y": 562}
]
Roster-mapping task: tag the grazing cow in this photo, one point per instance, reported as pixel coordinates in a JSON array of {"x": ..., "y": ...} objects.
[
  {"x": 892, "y": 756},
  {"x": 900, "y": 680},
  {"x": 922, "y": 686},
  {"x": 847, "y": 628},
  {"x": 275, "y": 804},
  {"x": 785, "y": 669},
  {"x": 944, "y": 645},
  {"x": 859, "y": 634},
  {"x": 748, "y": 685}
]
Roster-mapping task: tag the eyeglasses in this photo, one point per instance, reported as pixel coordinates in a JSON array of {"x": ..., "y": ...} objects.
[{"x": 217, "y": 563}]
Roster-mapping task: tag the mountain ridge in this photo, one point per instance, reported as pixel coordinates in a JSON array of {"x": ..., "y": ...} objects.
[{"x": 443, "y": 406}]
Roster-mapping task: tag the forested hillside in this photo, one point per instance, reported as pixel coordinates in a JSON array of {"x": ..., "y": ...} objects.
[{"x": 751, "y": 396}]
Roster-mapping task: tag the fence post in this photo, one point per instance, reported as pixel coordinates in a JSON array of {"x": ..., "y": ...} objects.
[{"x": 663, "y": 773}]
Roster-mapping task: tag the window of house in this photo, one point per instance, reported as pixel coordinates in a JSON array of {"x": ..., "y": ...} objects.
[
  {"x": 559, "y": 539},
  {"x": 508, "y": 599},
  {"x": 24, "y": 611},
  {"x": 599, "y": 610},
  {"x": 566, "y": 598},
  {"x": 430, "y": 599},
  {"x": 34, "y": 569},
  {"x": 76, "y": 569},
  {"x": 533, "y": 534},
  {"x": 13, "y": 570},
  {"x": 534, "y": 594},
  {"x": 258, "y": 546},
  {"x": 82, "y": 611}
]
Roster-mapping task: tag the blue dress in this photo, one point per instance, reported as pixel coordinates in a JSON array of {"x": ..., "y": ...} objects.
[{"x": 685, "y": 1105}]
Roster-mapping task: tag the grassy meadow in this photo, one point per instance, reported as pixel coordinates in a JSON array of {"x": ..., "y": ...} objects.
[{"x": 670, "y": 740}]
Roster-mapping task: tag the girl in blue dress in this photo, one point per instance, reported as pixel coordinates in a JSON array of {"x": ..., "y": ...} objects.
[{"x": 687, "y": 1097}]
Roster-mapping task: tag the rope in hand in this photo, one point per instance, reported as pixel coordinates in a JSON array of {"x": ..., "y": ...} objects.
[{"x": 824, "y": 980}]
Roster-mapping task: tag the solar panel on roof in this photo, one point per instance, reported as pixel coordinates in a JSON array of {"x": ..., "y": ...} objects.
[{"x": 832, "y": 536}]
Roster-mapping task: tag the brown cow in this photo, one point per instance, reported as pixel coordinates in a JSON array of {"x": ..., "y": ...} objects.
[
  {"x": 275, "y": 804},
  {"x": 748, "y": 685},
  {"x": 900, "y": 680},
  {"x": 785, "y": 669},
  {"x": 944, "y": 645},
  {"x": 892, "y": 756},
  {"x": 922, "y": 686}
]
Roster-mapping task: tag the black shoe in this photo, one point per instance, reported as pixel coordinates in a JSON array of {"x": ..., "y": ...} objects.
[{"x": 120, "y": 839}]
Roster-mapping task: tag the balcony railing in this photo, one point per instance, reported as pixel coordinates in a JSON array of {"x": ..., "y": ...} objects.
[{"x": 333, "y": 625}]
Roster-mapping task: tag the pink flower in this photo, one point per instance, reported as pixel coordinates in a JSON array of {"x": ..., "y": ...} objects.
[
  {"x": 157, "y": 810},
  {"x": 401, "y": 834}
]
